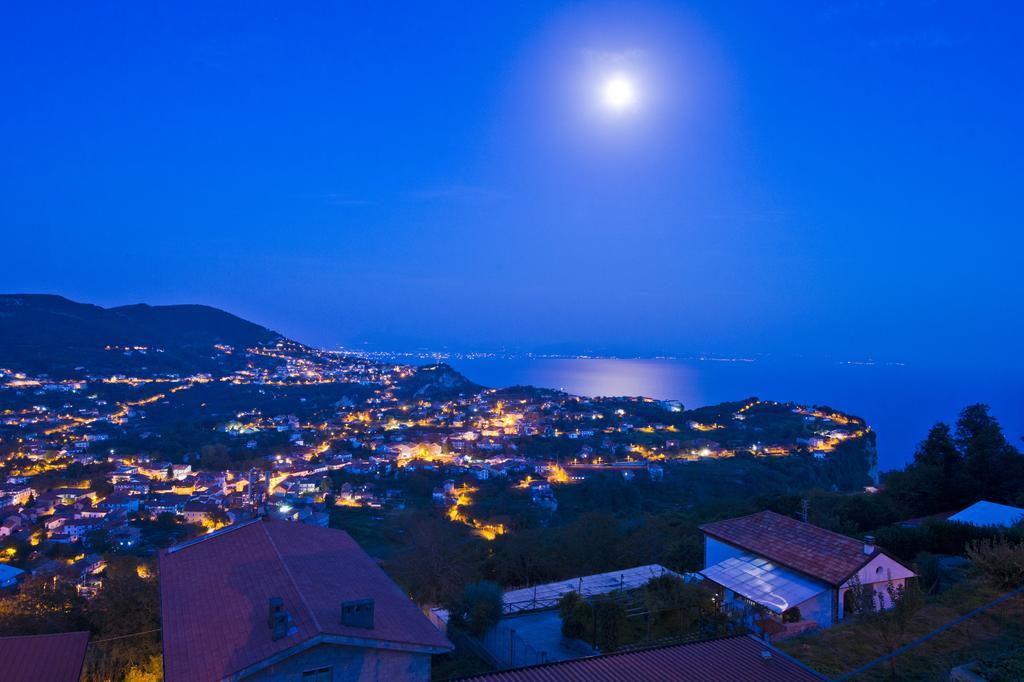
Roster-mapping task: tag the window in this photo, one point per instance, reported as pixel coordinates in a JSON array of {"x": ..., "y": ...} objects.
[{"x": 318, "y": 675}]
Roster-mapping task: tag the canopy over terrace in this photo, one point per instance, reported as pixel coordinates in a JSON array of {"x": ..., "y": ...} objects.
[
  {"x": 759, "y": 580},
  {"x": 589, "y": 585},
  {"x": 547, "y": 595}
]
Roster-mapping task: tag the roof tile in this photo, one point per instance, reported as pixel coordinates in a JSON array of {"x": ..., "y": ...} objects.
[
  {"x": 730, "y": 659},
  {"x": 215, "y": 595},
  {"x": 54, "y": 658},
  {"x": 814, "y": 551}
]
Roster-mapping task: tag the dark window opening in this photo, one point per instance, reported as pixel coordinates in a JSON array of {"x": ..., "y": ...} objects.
[{"x": 318, "y": 675}]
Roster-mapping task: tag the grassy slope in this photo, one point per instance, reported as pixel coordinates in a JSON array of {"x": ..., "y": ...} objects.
[{"x": 845, "y": 647}]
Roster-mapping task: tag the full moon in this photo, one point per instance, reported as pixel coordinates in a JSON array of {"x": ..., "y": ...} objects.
[{"x": 618, "y": 93}]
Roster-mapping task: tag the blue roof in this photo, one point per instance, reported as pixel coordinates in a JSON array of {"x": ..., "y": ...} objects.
[
  {"x": 987, "y": 513},
  {"x": 7, "y": 572}
]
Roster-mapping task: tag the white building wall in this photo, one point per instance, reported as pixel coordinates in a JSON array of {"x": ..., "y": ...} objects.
[
  {"x": 878, "y": 573},
  {"x": 818, "y": 609}
]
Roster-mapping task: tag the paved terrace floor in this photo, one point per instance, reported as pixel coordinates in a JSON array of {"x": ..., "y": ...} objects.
[{"x": 541, "y": 631}]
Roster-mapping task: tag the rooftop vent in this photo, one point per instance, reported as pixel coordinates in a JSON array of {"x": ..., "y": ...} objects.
[
  {"x": 766, "y": 655},
  {"x": 869, "y": 544},
  {"x": 358, "y": 613},
  {"x": 278, "y": 620}
]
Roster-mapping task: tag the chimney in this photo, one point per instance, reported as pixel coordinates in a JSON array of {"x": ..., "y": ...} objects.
[
  {"x": 357, "y": 614},
  {"x": 278, "y": 619},
  {"x": 869, "y": 544}
]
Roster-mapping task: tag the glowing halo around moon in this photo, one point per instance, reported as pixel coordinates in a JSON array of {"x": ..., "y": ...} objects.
[{"x": 618, "y": 92}]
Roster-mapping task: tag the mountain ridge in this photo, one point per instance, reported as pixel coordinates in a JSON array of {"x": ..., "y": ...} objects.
[{"x": 49, "y": 333}]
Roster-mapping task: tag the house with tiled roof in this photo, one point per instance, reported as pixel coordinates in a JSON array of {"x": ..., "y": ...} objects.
[
  {"x": 15, "y": 495},
  {"x": 782, "y": 569},
  {"x": 729, "y": 659},
  {"x": 198, "y": 511},
  {"x": 11, "y": 525},
  {"x": 166, "y": 503},
  {"x": 119, "y": 501},
  {"x": 273, "y": 600},
  {"x": 32, "y": 658}
]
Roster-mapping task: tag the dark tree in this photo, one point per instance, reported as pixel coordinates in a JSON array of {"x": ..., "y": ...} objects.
[
  {"x": 939, "y": 450},
  {"x": 994, "y": 466},
  {"x": 480, "y": 607},
  {"x": 127, "y": 607}
]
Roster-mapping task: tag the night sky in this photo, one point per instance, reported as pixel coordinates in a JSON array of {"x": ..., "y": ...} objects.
[{"x": 841, "y": 179}]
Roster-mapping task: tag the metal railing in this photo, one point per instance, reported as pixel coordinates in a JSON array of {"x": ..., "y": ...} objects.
[
  {"x": 549, "y": 599},
  {"x": 507, "y": 649}
]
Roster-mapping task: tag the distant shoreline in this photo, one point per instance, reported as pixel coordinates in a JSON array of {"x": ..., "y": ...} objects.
[{"x": 438, "y": 356}]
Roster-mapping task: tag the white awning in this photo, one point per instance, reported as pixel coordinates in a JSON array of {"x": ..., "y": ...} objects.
[
  {"x": 547, "y": 595},
  {"x": 589, "y": 585},
  {"x": 763, "y": 582}
]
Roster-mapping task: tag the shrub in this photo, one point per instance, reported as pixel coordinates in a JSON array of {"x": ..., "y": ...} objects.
[
  {"x": 675, "y": 606},
  {"x": 928, "y": 572},
  {"x": 568, "y": 603},
  {"x": 859, "y": 598},
  {"x": 481, "y": 606},
  {"x": 1000, "y": 561},
  {"x": 1004, "y": 667},
  {"x": 938, "y": 537},
  {"x": 609, "y": 621},
  {"x": 576, "y": 615}
]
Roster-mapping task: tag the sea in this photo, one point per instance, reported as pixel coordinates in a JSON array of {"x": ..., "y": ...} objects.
[{"x": 900, "y": 402}]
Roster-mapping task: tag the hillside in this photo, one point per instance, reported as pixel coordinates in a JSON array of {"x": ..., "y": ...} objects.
[
  {"x": 436, "y": 382},
  {"x": 41, "y": 333}
]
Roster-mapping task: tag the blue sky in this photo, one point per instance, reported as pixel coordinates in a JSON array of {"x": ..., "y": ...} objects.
[{"x": 802, "y": 178}]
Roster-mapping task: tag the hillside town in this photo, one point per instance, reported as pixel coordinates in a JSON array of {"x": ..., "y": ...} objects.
[{"x": 87, "y": 464}]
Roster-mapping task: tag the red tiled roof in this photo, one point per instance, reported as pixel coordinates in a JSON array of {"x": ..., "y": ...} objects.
[
  {"x": 731, "y": 659},
  {"x": 215, "y": 594},
  {"x": 817, "y": 552},
  {"x": 54, "y": 658}
]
